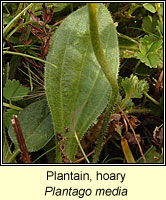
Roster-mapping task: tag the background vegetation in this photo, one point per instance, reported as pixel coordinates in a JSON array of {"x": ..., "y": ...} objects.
[{"x": 27, "y": 29}]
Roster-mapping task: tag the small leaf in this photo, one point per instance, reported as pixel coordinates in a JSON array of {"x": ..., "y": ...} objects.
[
  {"x": 14, "y": 91},
  {"x": 156, "y": 45},
  {"x": 149, "y": 23},
  {"x": 153, "y": 60},
  {"x": 146, "y": 43},
  {"x": 150, "y": 7},
  {"x": 128, "y": 104},
  {"x": 36, "y": 124},
  {"x": 134, "y": 87},
  {"x": 8, "y": 116},
  {"x": 148, "y": 48}
]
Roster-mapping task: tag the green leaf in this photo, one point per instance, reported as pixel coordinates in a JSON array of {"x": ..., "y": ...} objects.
[
  {"x": 152, "y": 156},
  {"x": 144, "y": 71},
  {"x": 149, "y": 23},
  {"x": 128, "y": 104},
  {"x": 132, "y": 8},
  {"x": 134, "y": 87},
  {"x": 146, "y": 43},
  {"x": 150, "y": 7},
  {"x": 78, "y": 78},
  {"x": 156, "y": 45},
  {"x": 7, "y": 154},
  {"x": 7, "y": 18},
  {"x": 14, "y": 91},
  {"x": 36, "y": 124},
  {"x": 160, "y": 11},
  {"x": 152, "y": 60},
  {"x": 148, "y": 48},
  {"x": 7, "y": 117}
]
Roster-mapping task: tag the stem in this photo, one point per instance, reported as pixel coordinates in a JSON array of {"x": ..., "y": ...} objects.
[
  {"x": 12, "y": 106},
  {"x": 44, "y": 154},
  {"x": 30, "y": 76},
  {"x": 29, "y": 56},
  {"x": 138, "y": 110},
  {"x": 136, "y": 66},
  {"x": 98, "y": 49},
  {"x": 107, "y": 69},
  {"x": 128, "y": 38},
  {"x": 151, "y": 98},
  {"x": 13, "y": 156}
]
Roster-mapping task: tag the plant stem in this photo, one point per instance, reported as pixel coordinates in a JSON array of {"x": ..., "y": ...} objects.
[
  {"x": 98, "y": 49},
  {"x": 136, "y": 66},
  {"x": 107, "y": 69},
  {"x": 54, "y": 147},
  {"x": 30, "y": 76},
  {"x": 13, "y": 156},
  {"x": 29, "y": 56},
  {"x": 12, "y": 106},
  {"x": 151, "y": 98}
]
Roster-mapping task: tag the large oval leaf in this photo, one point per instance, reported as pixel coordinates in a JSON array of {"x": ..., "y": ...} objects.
[
  {"x": 36, "y": 124},
  {"x": 78, "y": 77}
]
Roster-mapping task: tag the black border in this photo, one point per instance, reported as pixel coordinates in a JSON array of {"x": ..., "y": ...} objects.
[{"x": 65, "y": 165}]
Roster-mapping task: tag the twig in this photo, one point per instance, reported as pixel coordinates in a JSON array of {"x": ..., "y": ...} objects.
[
  {"x": 20, "y": 139},
  {"x": 140, "y": 149}
]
